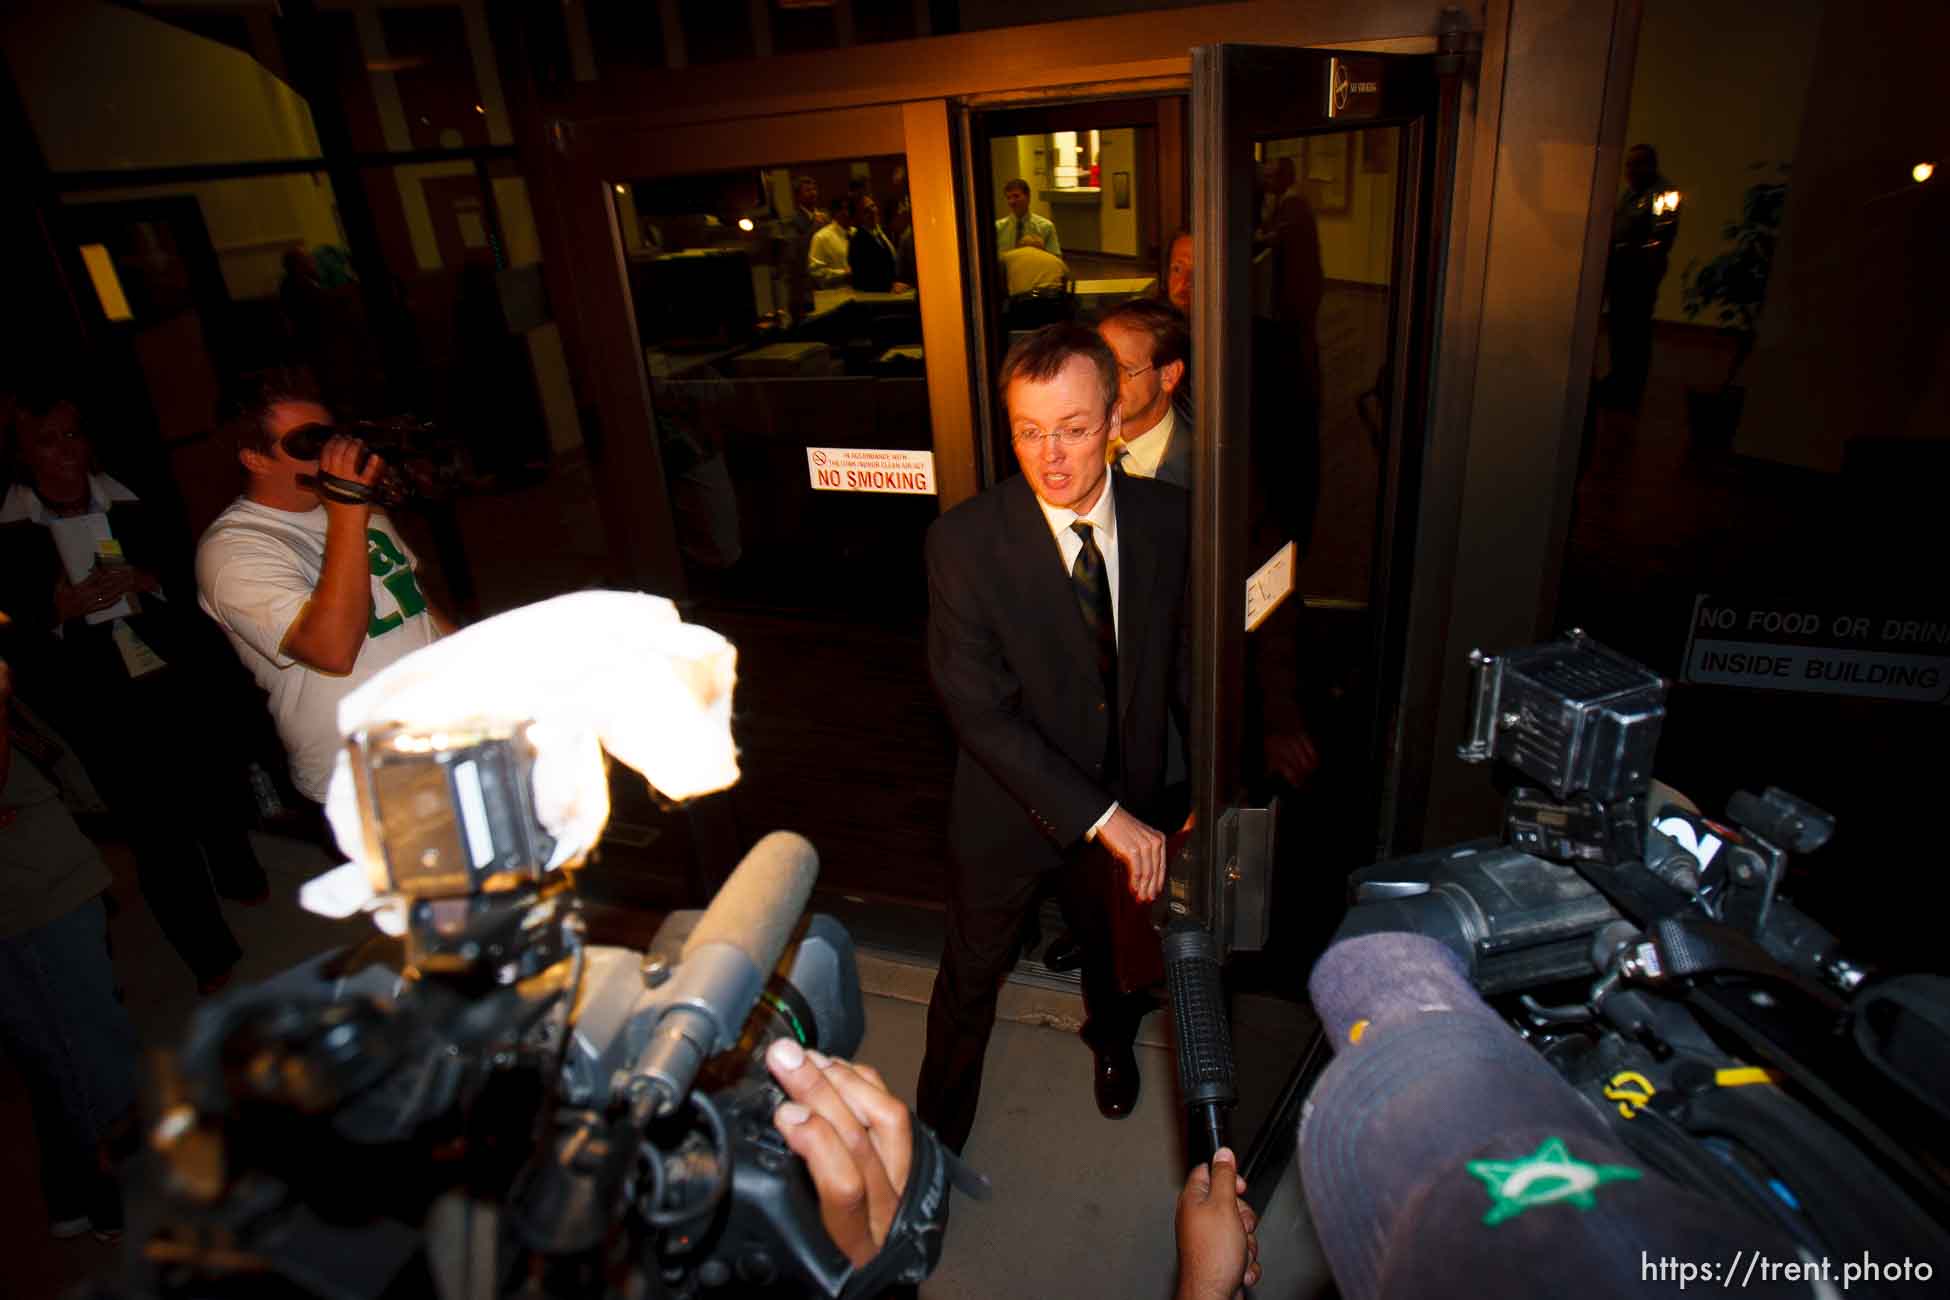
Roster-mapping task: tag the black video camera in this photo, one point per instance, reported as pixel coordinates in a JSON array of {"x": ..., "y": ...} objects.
[
  {"x": 422, "y": 462},
  {"x": 1649, "y": 953},
  {"x": 507, "y": 1108}
]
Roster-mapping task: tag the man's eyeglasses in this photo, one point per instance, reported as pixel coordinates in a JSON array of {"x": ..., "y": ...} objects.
[
  {"x": 1132, "y": 372},
  {"x": 1068, "y": 437}
]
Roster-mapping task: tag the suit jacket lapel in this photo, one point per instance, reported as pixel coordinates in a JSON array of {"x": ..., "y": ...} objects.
[{"x": 1035, "y": 564}]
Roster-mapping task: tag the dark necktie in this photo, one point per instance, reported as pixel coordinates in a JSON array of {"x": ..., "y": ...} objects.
[
  {"x": 1018, "y": 243},
  {"x": 1092, "y": 583}
]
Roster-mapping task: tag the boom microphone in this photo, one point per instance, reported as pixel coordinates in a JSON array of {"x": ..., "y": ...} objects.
[
  {"x": 1206, "y": 1077},
  {"x": 726, "y": 962}
]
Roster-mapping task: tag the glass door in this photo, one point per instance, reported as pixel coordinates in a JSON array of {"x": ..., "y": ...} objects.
[
  {"x": 1073, "y": 207},
  {"x": 778, "y": 308},
  {"x": 1314, "y": 215}
]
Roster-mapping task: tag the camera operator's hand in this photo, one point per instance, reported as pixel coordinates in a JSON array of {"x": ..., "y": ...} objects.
[
  {"x": 1140, "y": 848},
  {"x": 340, "y": 457},
  {"x": 1218, "y": 1249},
  {"x": 855, "y": 1137},
  {"x": 330, "y": 630}
]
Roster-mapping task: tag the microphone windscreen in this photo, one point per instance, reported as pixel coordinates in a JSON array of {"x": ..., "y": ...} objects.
[
  {"x": 1375, "y": 979},
  {"x": 760, "y": 904}
]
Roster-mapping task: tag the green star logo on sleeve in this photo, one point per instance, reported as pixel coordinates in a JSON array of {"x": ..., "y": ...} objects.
[{"x": 1549, "y": 1176}]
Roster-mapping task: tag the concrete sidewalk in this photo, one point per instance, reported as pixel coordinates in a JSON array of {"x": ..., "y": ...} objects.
[{"x": 1082, "y": 1206}]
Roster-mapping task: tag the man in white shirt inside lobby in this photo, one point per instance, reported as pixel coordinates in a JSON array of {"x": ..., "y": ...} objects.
[
  {"x": 826, "y": 260},
  {"x": 1151, "y": 343}
]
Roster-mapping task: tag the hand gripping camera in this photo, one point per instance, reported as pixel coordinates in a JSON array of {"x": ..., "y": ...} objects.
[
  {"x": 507, "y": 1108},
  {"x": 423, "y": 462},
  {"x": 1649, "y": 954}
]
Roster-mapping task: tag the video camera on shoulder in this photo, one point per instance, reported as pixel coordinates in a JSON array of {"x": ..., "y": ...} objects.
[
  {"x": 496, "y": 1105},
  {"x": 1649, "y": 953},
  {"x": 421, "y": 461}
]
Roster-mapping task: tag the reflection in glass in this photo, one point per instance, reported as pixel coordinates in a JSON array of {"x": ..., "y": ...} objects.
[
  {"x": 778, "y": 315},
  {"x": 1076, "y": 222},
  {"x": 780, "y": 321},
  {"x": 107, "y": 86},
  {"x": 1322, "y": 261}
]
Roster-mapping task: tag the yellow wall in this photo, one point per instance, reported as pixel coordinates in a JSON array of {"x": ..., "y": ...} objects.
[
  {"x": 1015, "y": 156},
  {"x": 108, "y": 88},
  {"x": 1356, "y": 244},
  {"x": 1116, "y": 231},
  {"x": 251, "y": 221},
  {"x": 1719, "y": 86},
  {"x": 1359, "y": 243},
  {"x": 1118, "y": 153},
  {"x": 522, "y": 244}
]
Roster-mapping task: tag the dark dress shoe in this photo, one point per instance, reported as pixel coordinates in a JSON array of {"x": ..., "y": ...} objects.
[
  {"x": 1062, "y": 954},
  {"x": 1115, "y": 1077}
]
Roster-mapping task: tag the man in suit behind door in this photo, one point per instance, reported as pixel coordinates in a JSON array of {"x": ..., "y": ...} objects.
[{"x": 1057, "y": 641}]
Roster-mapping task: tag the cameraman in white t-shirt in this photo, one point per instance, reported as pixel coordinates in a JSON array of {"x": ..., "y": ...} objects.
[{"x": 316, "y": 595}]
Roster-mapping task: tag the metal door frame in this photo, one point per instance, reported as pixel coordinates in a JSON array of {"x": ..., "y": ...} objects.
[{"x": 1227, "y": 114}]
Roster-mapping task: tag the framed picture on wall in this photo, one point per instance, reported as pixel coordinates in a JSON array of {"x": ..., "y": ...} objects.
[
  {"x": 1120, "y": 189},
  {"x": 1327, "y": 172},
  {"x": 1378, "y": 150}
]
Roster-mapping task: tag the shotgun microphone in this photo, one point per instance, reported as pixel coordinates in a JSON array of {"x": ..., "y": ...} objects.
[
  {"x": 1206, "y": 1078},
  {"x": 726, "y": 961}
]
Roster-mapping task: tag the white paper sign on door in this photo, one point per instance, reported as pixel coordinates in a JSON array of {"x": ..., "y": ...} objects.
[{"x": 1270, "y": 584}]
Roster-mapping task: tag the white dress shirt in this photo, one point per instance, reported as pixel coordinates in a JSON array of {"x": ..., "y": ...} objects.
[
  {"x": 1102, "y": 518},
  {"x": 1144, "y": 453},
  {"x": 826, "y": 256}
]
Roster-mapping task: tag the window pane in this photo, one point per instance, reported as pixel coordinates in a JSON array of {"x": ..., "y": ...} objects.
[
  {"x": 1077, "y": 230},
  {"x": 107, "y": 87},
  {"x": 792, "y": 413},
  {"x": 202, "y": 268},
  {"x": 439, "y": 98},
  {"x": 1323, "y": 249}
]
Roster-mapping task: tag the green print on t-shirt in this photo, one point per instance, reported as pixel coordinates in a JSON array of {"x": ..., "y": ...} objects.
[{"x": 390, "y": 567}]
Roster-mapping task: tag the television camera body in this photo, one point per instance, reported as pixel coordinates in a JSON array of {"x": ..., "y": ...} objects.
[
  {"x": 488, "y": 1104},
  {"x": 1649, "y": 954}
]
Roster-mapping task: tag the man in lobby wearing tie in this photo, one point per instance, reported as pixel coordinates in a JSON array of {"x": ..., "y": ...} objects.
[
  {"x": 1058, "y": 642},
  {"x": 870, "y": 254},
  {"x": 1021, "y": 223}
]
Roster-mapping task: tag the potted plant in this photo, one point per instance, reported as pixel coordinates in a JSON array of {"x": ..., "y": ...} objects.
[{"x": 1735, "y": 283}]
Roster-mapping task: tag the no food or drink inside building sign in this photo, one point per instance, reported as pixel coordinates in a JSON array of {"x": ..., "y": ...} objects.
[{"x": 1825, "y": 647}]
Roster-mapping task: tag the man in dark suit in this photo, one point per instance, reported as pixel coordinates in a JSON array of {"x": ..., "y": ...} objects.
[
  {"x": 1057, "y": 640},
  {"x": 870, "y": 254},
  {"x": 1151, "y": 343}
]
